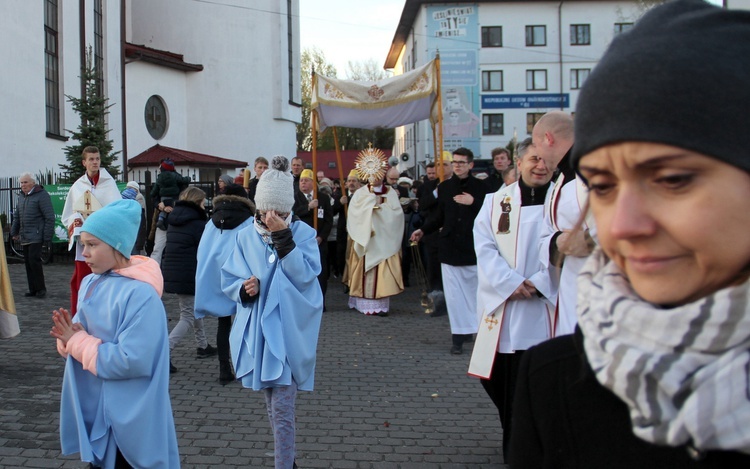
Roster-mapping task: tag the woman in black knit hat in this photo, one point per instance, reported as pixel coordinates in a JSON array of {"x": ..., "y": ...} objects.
[{"x": 658, "y": 372}]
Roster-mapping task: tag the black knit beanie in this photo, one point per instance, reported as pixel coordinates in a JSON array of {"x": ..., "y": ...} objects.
[{"x": 680, "y": 76}]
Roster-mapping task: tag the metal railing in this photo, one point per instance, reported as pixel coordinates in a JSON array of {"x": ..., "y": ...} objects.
[{"x": 10, "y": 187}]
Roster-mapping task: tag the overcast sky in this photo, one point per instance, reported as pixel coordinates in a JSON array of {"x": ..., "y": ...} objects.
[
  {"x": 345, "y": 30},
  {"x": 354, "y": 30}
]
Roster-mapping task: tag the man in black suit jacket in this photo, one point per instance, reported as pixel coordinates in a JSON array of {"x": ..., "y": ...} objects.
[
  {"x": 459, "y": 200},
  {"x": 427, "y": 204}
]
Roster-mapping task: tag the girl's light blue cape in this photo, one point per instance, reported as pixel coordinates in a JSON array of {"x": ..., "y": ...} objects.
[
  {"x": 127, "y": 403},
  {"x": 274, "y": 338},
  {"x": 215, "y": 247}
]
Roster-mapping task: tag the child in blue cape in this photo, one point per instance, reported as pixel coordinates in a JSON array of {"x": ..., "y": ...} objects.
[
  {"x": 272, "y": 276},
  {"x": 233, "y": 211},
  {"x": 115, "y": 408}
]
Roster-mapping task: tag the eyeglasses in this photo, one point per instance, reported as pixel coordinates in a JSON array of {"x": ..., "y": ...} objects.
[{"x": 459, "y": 163}]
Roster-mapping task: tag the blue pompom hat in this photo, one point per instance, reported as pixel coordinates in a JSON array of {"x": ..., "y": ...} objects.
[{"x": 116, "y": 224}]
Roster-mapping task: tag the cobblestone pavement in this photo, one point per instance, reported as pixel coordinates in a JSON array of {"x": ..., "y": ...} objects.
[{"x": 388, "y": 394}]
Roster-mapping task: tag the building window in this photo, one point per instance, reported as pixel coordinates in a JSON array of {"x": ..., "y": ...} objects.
[
  {"x": 580, "y": 34},
  {"x": 531, "y": 119},
  {"x": 492, "y": 80},
  {"x": 577, "y": 77},
  {"x": 51, "y": 67},
  {"x": 622, "y": 27},
  {"x": 536, "y": 35},
  {"x": 492, "y": 36},
  {"x": 492, "y": 124},
  {"x": 99, "y": 48},
  {"x": 414, "y": 54},
  {"x": 536, "y": 80}
]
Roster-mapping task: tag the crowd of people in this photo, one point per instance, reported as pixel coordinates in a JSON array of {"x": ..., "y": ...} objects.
[{"x": 601, "y": 271}]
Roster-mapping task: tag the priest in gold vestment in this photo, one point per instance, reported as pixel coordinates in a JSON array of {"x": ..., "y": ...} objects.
[{"x": 375, "y": 224}]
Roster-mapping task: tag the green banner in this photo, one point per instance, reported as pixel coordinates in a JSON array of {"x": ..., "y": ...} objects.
[{"x": 58, "y": 193}]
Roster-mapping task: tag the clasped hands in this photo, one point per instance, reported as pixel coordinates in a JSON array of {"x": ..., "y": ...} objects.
[
  {"x": 63, "y": 327},
  {"x": 524, "y": 291}
]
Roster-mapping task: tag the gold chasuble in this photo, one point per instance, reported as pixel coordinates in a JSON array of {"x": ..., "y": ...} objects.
[{"x": 375, "y": 223}]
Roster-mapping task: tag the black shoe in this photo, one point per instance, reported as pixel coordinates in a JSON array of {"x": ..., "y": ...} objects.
[
  {"x": 225, "y": 373},
  {"x": 29, "y": 294},
  {"x": 172, "y": 368},
  {"x": 382, "y": 314},
  {"x": 207, "y": 352},
  {"x": 458, "y": 344},
  {"x": 41, "y": 293}
]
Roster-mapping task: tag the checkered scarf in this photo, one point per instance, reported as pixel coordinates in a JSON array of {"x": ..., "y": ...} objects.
[{"x": 683, "y": 372}]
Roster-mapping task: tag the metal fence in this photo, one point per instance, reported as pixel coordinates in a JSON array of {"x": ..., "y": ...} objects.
[{"x": 10, "y": 188}]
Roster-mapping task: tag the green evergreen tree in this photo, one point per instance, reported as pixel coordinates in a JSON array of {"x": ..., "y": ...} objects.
[{"x": 92, "y": 108}]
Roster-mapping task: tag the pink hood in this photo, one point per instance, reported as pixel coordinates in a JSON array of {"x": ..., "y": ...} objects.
[{"x": 146, "y": 270}]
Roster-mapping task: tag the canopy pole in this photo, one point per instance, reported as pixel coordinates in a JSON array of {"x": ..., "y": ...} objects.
[
  {"x": 314, "y": 119},
  {"x": 341, "y": 167},
  {"x": 436, "y": 161},
  {"x": 441, "y": 173}
]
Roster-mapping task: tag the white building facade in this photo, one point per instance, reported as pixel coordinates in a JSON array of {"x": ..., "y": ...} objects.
[
  {"x": 225, "y": 77},
  {"x": 503, "y": 65}
]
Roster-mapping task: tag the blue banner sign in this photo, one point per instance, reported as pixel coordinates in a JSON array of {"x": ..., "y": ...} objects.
[
  {"x": 521, "y": 101},
  {"x": 458, "y": 67}
]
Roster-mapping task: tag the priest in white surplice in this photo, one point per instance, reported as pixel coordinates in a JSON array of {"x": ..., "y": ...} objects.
[{"x": 516, "y": 294}]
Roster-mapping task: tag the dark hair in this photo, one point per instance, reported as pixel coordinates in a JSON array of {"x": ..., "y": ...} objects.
[
  {"x": 431, "y": 164},
  {"x": 464, "y": 152},
  {"x": 498, "y": 151},
  {"x": 90, "y": 149},
  {"x": 523, "y": 147},
  {"x": 260, "y": 159}
]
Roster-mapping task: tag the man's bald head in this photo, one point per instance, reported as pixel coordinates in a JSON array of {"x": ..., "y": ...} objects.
[
  {"x": 553, "y": 137},
  {"x": 391, "y": 176}
]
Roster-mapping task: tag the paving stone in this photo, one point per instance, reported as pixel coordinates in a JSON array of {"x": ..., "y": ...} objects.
[{"x": 388, "y": 394}]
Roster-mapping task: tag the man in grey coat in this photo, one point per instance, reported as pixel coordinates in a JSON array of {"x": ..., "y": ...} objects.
[{"x": 33, "y": 225}]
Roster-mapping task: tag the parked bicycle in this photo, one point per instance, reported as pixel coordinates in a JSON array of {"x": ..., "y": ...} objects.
[{"x": 16, "y": 249}]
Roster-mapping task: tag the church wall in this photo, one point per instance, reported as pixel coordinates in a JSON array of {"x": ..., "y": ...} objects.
[
  {"x": 237, "y": 107},
  {"x": 145, "y": 80},
  {"x": 22, "y": 91}
]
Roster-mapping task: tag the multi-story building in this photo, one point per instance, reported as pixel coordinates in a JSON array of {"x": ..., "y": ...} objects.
[
  {"x": 216, "y": 78},
  {"x": 504, "y": 63}
]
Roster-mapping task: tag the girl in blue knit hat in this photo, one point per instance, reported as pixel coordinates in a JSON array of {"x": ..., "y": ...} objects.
[{"x": 114, "y": 408}]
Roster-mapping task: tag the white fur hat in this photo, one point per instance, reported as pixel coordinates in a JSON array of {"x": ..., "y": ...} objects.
[{"x": 275, "y": 189}]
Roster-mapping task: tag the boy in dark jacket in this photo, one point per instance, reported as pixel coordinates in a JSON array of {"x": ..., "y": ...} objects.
[{"x": 167, "y": 188}]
